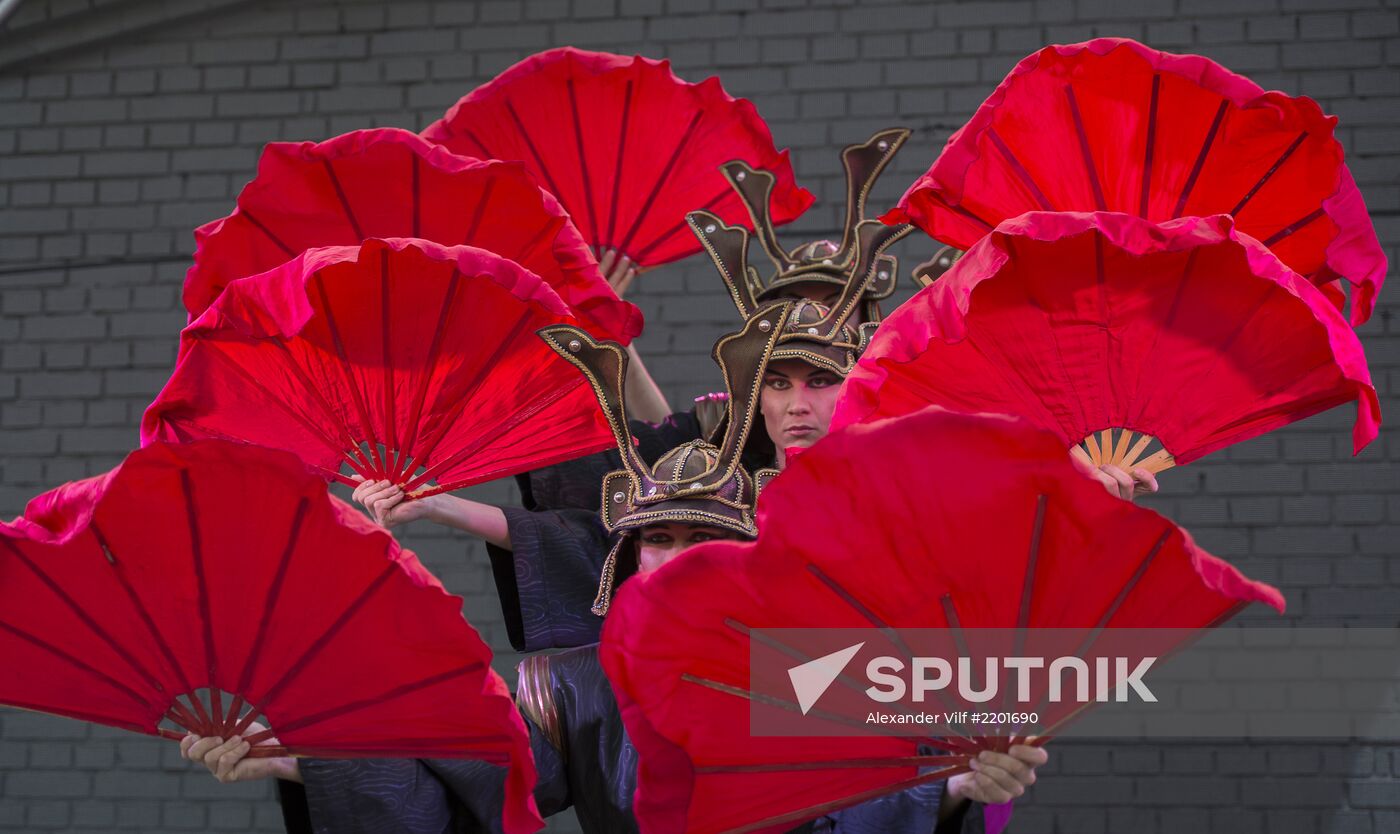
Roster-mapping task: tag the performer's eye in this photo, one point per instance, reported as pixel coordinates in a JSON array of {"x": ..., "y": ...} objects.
[
  {"x": 777, "y": 383},
  {"x": 822, "y": 381},
  {"x": 657, "y": 538}
]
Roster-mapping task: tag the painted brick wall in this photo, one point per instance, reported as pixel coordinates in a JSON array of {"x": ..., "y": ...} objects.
[{"x": 126, "y": 123}]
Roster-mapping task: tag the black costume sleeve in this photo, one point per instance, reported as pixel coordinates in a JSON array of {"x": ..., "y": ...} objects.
[
  {"x": 549, "y": 578},
  {"x": 577, "y": 484},
  {"x": 914, "y": 811}
]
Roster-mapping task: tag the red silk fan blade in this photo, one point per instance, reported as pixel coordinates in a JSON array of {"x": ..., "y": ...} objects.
[
  {"x": 625, "y": 145},
  {"x": 408, "y": 361},
  {"x": 143, "y": 598},
  {"x": 391, "y": 183},
  {"x": 895, "y": 524},
  {"x": 1188, "y": 331},
  {"x": 1111, "y": 125}
]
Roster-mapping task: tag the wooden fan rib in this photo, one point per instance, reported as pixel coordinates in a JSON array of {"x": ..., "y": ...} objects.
[
  {"x": 1295, "y": 226},
  {"x": 434, "y": 349},
  {"x": 1084, "y": 150},
  {"x": 348, "y": 371},
  {"x": 75, "y": 662},
  {"x": 273, "y": 595},
  {"x": 582, "y": 161},
  {"x": 392, "y": 452},
  {"x": 269, "y": 695},
  {"x": 477, "y": 216},
  {"x": 344, "y": 201},
  {"x": 86, "y": 618},
  {"x": 530, "y": 146},
  {"x": 1150, "y": 145},
  {"x": 363, "y": 703},
  {"x": 874, "y": 619},
  {"x": 202, "y": 589},
  {"x": 268, "y": 233},
  {"x": 1249, "y": 195},
  {"x": 516, "y": 419},
  {"x": 660, "y": 181},
  {"x": 343, "y": 449},
  {"x": 430, "y": 445},
  {"x": 708, "y": 205},
  {"x": 1020, "y": 170},
  {"x": 618, "y": 167},
  {"x": 1201, "y": 157}
]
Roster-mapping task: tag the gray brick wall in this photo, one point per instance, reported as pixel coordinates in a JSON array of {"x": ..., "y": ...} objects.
[{"x": 125, "y": 123}]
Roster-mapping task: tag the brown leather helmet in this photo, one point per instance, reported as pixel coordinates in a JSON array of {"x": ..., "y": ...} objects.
[
  {"x": 857, "y": 259},
  {"x": 697, "y": 482}
]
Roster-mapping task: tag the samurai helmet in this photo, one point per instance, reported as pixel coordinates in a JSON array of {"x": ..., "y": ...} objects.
[
  {"x": 856, "y": 262},
  {"x": 695, "y": 483}
]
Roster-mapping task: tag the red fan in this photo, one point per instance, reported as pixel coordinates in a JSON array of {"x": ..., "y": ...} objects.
[
  {"x": 198, "y": 587},
  {"x": 391, "y": 183},
  {"x": 408, "y": 361},
  {"x": 1111, "y": 125},
  {"x": 935, "y": 521},
  {"x": 1188, "y": 332},
  {"x": 625, "y": 145}
]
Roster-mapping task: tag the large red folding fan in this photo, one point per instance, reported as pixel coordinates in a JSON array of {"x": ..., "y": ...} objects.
[
  {"x": 938, "y": 520},
  {"x": 405, "y": 360},
  {"x": 199, "y": 587},
  {"x": 625, "y": 145},
  {"x": 392, "y": 183},
  {"x": 1113, "y": 125},
  {"x": 1188, "y": 332}
]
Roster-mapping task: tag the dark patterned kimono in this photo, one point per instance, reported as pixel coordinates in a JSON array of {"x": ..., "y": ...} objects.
[
  {"x": 549, "y": 577},
  {"x": 584, "y": 761}
]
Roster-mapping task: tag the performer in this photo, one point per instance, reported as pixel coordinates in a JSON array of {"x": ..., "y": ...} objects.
[
  {"x": 842, "y": 285},
  {"x": 584, "y": 759}
]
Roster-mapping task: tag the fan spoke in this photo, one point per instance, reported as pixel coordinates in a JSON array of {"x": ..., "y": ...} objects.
[
  {"x": 293, "y": 670},
  {"x": 1084, "y": 150},
  {"x": 434, "y": 349},
  {"x": 375, "y": 700},
  {"x": 482, "y": 202},
  {"x": 344, "y": 200},
  {"x": 274, "y": 593},
  {"x": 260, "y": 226},
  {"x": 202, "y": 588},
  {"x": 618, "y": 167},
  {"x": 592, "y": 233},
  {"x": 660, "y": 181},
  {"x": 142, "y": 611},
  {"x": 1302, "y": 135},
  {"x": 530, "y": 145},
  {"x": 76, "y": 663},
  {"x": 1151, "y": 145},
  {"x": 430, "y": 445},
  {"x": 348, "y": 370},
  {"x": 86, "y": 618},
  {"x": 1201, "y": 158},
  {"x": 1020, "y": 170},
  {"x": 1296, "y": 225}
]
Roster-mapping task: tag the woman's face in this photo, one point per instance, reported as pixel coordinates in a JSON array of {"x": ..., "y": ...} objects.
[
  {"x": 797, "y": 402},
  {"x": 660, "y": 543}
]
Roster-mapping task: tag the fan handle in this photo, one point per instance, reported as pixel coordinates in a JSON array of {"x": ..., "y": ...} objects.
[{"x": 1099, "y": 448}]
